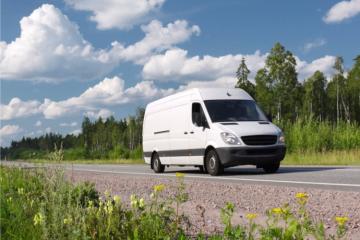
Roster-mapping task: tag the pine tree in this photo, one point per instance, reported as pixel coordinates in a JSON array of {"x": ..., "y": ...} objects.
[{"x": 243, "y": 82}]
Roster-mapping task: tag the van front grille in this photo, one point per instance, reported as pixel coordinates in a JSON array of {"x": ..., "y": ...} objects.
[{"x": 259, "y": 139}]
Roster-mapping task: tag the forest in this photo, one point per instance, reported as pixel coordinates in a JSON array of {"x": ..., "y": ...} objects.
[{"x": 317, "y": 114}]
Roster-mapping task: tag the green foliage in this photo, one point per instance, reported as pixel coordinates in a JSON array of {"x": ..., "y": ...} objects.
[
  {"x": 243, "y": 82},
  {"x": 41, "y": 204},
  {"x": 310, "y": 135}
]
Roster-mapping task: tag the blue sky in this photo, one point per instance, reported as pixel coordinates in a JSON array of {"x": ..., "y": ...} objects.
[{"x": 72, "y": 58}]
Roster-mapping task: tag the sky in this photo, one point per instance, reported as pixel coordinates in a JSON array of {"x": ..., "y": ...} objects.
[{"x": 63, "y": 60}]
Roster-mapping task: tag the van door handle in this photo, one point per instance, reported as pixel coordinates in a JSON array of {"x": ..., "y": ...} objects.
[
  {"x": 185, "y": 132},
  {"x": 192, "y": 132}
]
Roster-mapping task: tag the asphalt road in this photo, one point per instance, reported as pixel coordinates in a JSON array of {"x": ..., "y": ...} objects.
[{"x": 324, "y": 177}]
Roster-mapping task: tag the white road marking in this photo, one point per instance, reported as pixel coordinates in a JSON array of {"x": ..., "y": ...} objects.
[{"x": 223, "y": 178}]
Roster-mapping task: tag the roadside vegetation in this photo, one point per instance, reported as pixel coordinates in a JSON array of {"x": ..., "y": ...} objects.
[
  {"x": 319, "y": 118},
  {"x": 41, "y": 204}
]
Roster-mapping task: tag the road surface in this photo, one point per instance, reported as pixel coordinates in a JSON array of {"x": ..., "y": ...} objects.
[{"x": 324, "y": 177}]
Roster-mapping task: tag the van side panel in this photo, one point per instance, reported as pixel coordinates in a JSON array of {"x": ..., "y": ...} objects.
[{"x": 156, "y": 135}]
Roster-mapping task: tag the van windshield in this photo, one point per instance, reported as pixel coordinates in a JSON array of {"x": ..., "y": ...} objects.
[{"x": 234, "y": 111}]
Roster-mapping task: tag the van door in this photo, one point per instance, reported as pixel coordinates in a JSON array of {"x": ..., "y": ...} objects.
[
  {"x": 179, "y": 135},
  {"x": 197, "y": 134}
]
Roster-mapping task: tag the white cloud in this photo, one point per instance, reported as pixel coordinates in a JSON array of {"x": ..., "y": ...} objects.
[
  {"x": 103, "y": 113},
  {"x": 50, "y": 48},
  {"x": 315, "y": 44},
  {"x": 175, "y": 65},
  {"x": 121, "y": 14},
  {"x": 48, "y": 129},
  {"x": 108, "y": 92},
  {"x": 8, "y": 131},
  {"x": 76, "y": 132},
  {"x": 342, "y": 10},
  {"x": 38, "y": 123},
  {"x": 324, "y": 64},
  {"x": 18, "y": 108},
  {"x": 72, "y": 124},
  {"x": 157, "y": 38}
]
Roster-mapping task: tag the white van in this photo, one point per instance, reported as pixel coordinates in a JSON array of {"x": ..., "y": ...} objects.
[{"x": 211, "y": 129}]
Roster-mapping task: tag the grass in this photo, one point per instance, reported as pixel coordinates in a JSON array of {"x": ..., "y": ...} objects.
[
  {"x": 336, "y": 157},
  {"x": 91, "y": 161},
  {"x": 42, "y": 204}
]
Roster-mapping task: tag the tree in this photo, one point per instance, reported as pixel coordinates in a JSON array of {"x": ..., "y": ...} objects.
[
  {"x": 315, "y": 96},
  {"x": 354, "y": 90},
  {"x": 242, "y": 74},
  {"x": 279, "y": 79}
]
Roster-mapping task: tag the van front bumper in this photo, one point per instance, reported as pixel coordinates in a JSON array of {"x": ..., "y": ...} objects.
[{"x": 259, "y": 156}]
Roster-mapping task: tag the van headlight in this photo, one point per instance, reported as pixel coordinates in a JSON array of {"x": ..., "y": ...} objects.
[
  {"x": 230, "y": 138},
  {"x": 281, "y": 138}
]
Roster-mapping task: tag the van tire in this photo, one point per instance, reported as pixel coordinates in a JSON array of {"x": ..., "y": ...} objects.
[
  {"x": 272, "y": 168},
  {"x": 213, "y": 164},
  {"x": 156, "y": 164}
]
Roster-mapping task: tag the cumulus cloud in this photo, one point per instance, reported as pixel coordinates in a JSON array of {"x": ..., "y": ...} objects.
[
  {"x": 103, "y": 113},
  {"x": 71, "y": 124},
  {"x": 324, "y": 64},
  {"x": 342, "y": 10},
  {"x": 51, "y": 48},
  {"x": 108, "y": 92},
  {"x": 175, "y": 65},
  {"x": 76, "y": 132},
  {"x": 157, "y": 38},
  {"x": 17, "y": 108},
  {"x": 8, "y": 131},
  {"x": 121, "y": 14},
  {"x": 315, "y": 44}
]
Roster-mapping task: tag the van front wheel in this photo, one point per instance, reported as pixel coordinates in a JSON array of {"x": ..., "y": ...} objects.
[
  {"x": 156, "y": 164},
  {"x": 271, "y": 168},
  {"x": 213, "y": 164}
]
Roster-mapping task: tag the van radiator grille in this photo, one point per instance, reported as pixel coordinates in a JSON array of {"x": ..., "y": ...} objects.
[{"x": 259, "y": 139}]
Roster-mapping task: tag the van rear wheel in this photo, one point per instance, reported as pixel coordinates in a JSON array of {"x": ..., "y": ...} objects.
[
  {"x": 272, "y": 168},
  {"x": 213, "y": 164},
  {"x": 156, "y": 164}
]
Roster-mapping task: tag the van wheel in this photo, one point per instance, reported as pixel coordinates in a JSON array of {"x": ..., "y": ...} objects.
[
  {"x": 213, "y": 164},
  {"x": 272, "y": 168},
  {"x": 156, "y": 164}
]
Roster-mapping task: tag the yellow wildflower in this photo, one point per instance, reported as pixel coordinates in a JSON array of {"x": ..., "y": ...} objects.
[
  {"x": 141, "y": 203},
  {"x": 341, "y": 220},
  {"x": 117, "y": 199},
  {"x": 38, "y": 219},
  {"x": 277, "y": 210},
  {"x": 159, "y": 188},
  {"x": 251, "y": 216},
  {"x": 108, "y": 208},
  {"x": 180, "y": 175},
  {"x": 67, "y": 221},
  {"x": 301, "y": 195},
  {"x": 107, "y": 194},
  {"x": 20, "y": 191},
  {"x": 133, "y": 201}
]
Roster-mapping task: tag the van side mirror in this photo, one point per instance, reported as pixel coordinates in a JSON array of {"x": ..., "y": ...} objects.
[{"x": 269, "y": 117}]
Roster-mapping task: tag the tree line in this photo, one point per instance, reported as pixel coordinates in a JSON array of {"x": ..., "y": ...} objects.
[
  {"x": 326, "y": 104},
  {"x": 279, "y": 93}
]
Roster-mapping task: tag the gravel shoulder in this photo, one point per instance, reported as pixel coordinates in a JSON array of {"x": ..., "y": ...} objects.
[{"x": 248, "y": 198}]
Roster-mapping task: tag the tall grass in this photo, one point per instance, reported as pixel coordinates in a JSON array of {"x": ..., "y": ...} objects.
[{"x": 309, "y": 135}]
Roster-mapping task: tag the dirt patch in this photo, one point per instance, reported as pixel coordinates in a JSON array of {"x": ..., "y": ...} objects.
[{"x": 248, "y": 198}]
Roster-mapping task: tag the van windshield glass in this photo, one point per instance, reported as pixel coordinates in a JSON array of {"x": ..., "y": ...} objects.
[{"x": 234, "y": 111}]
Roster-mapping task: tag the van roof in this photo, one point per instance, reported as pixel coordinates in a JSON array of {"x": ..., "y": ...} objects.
[{"x": 206, "y": 94}]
